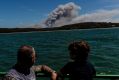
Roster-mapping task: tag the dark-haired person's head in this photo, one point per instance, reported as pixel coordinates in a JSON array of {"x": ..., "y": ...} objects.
[
  {"x": 79, "y": 50},
  {"x": 26, "y": 56}
]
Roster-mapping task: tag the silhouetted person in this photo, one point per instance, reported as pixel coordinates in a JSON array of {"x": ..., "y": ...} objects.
[
  {"x": 79, "y": 68},
  {"x": 24, "y": 69}
]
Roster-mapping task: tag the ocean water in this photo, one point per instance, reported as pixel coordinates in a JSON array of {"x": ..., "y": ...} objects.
[{"x": 51, "y": 48}]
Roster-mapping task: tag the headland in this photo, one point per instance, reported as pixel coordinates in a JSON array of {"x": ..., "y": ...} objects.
[{"x": 84, "y": 25}]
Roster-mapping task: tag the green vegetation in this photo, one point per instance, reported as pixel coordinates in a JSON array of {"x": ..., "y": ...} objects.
[{"x": 85, "y": 25}]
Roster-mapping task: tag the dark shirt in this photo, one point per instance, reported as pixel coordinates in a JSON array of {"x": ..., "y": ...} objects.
[{"x": 79, "y": 70}]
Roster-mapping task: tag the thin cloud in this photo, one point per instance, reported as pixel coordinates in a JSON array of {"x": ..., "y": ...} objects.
[
  {"x": 112, "y": 6},
  {"x": 110, "y": 1},
  {"x": 30, "y": 10},
  {"x": 27, "y": 9}
]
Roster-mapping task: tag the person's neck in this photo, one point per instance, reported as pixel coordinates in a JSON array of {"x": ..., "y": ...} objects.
[{"x": 22, "y": 69}]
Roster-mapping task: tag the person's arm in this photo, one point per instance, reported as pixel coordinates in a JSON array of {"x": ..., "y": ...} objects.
[
  {"x": 45, "y": 69},
  {"x": 42, "y": 68},
  {"x": 8, "y": 78}
]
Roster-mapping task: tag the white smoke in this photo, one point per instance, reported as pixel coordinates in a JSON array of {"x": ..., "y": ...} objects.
[
  {"x": 98, "y": 16},
  {"x": 69, "y": 14},
  {"x": 63, "y": 14}
]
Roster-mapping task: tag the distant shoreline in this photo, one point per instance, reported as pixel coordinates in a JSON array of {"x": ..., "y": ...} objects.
[
  {"x": 57, "y": 30},
  {"x": 86, "y": 25}
]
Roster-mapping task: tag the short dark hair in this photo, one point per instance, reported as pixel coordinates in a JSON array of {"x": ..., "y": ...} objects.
[
  {"x": 24, "y": 52},
  {"x": 81, "y": 49}
]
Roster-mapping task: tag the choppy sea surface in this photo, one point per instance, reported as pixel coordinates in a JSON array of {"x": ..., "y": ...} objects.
[{"x": 51, "y": 48}]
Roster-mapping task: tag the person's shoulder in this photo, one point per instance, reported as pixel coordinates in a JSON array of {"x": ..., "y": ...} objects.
[
  {"x": 10, "y": 75},
  {"x": 90, "y": 64},
  {"x": 69, "y": 64},
  {"x": 11, "y": 72},
  {"x": 92, "y": 67}
]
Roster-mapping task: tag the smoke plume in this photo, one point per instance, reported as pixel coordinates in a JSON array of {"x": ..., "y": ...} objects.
[
  {"x": 98, "y": 16},
  {"x": 62, "y": 15},
  {"x": 69, "y": 14}
]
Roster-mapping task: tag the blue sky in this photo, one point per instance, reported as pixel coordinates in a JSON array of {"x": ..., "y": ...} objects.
[{"x": 16, "y": 13}]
